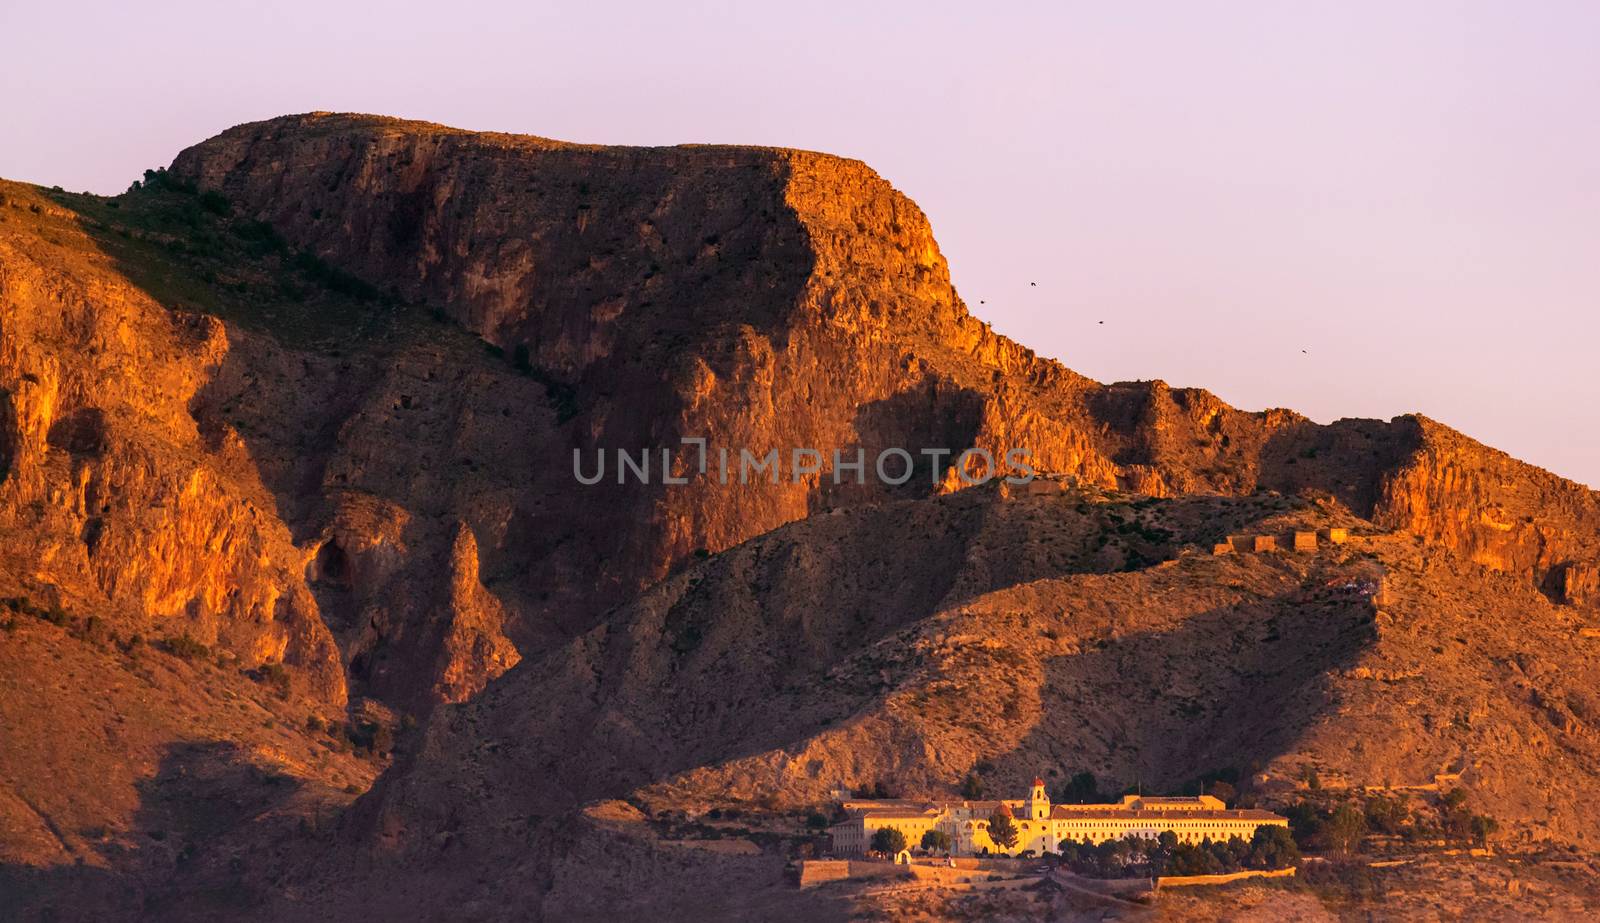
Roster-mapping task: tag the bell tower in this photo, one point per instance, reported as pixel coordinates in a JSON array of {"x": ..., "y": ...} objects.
[{"x": 1038, "y": 801}]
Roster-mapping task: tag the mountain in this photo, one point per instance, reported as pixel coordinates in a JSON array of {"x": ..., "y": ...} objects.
[{"x": 299, "y": 414}]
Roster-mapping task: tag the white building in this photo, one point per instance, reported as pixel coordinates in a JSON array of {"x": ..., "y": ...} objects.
[{"x": 1042, "y": 826}]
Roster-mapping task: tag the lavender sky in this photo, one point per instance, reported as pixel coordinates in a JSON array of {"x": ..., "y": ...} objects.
[{"x": 1350, "y": 209}]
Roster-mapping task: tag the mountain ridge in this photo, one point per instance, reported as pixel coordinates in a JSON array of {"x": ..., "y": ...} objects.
[{"x": 308, "y": 399}]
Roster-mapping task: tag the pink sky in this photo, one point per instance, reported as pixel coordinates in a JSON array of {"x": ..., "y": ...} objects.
[{"x": 1410, "y": 192}]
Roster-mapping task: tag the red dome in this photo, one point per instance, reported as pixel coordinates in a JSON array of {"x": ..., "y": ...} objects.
[{"x": 1037, "y": 781}]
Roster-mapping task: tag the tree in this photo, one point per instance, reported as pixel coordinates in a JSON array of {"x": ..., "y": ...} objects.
[
  {"x": 1311, "y": 779},
  {"x": 1454, "y": 816},
  {"x": 1345, "y": 828},
  {"x": 1227, "y": 853},
  {"x": 1386, "y": 814},
  {"x": 1071, "y": 854},
  {"x": 972, "y": 787},
  {"x": 1483, "y": 827},
  {"x": 1305, "y": 822},
  {"x": 1273, "y": 847},
  {"x": 889, "y": 841},
  {"x": 1189, "y": 859},
  {"x": 936, "y": 841},
  {"x": 1080, "y": 789},
  {"x": 1003, "y": 830}
]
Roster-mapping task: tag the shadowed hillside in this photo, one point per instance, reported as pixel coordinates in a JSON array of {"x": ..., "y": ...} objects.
[
  {"x": 305, "y": 405},
  {"x": 914, "y": 646}
]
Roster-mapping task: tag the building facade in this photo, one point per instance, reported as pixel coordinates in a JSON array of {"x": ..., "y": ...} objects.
[{"x": 1043, "y": 827}]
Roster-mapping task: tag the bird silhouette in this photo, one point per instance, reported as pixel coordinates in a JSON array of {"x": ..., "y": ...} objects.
[
  {"x": 1033, "y": 283},
  {"x": 1102, "y": 323}
]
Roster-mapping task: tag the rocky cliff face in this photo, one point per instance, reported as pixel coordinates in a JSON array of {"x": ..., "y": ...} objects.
[
  {"x": 1490, "y": 508},
  {"x": 312, "y": 398},
  {"x": 767, "y": 298},
  {"x": 112, "y": 499},
  {"x": 1020, "y": 636},
  {"x": 758, "y": 298}
]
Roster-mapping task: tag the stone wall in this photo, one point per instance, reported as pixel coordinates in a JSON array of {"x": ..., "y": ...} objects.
[
  {"x": 816, "y": 871},
  {"x": 1181, "y": 881}
]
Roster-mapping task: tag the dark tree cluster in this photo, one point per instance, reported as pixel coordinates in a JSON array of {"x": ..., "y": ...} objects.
[
  {"x": 1340, "y": 828},
  {"x": 1271, "y": 847}
]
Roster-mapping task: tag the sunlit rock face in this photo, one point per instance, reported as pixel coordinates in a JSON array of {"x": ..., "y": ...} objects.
[
  {"x": 390, "y": 514},
  {"x": 114, "y": 503},
  {"x": 1460, "y": 495},
  {"x": 312, "y": 505},
  {"x": 757, "y": 298}
]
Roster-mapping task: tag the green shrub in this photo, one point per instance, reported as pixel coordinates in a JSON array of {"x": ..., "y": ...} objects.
[
  {"x": 275, "y": 675},
  {"x": 214, "y": 202},
  {"x": 93, "y": 630},
  {"x": 185, "y": 647},
  {"x": 374, "y": 738},
  {"x": 160, "y": 179},
  {"x": 889, "y": 841}
]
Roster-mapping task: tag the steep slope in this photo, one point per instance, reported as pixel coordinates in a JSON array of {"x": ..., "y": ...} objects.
[
  {"x": 759, "y": 298},
  {"x": 113, "y": 500},
  {"x": 911, "y": 644},
  {"x": 311, "y": 399},
  {"x": 125, "y": 766},
  {"x": 292, "y": 470},
  {"x": 768, "y": 298}
]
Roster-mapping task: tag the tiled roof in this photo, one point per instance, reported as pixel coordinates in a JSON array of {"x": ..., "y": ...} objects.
[{"x": 1067, "y": 812}]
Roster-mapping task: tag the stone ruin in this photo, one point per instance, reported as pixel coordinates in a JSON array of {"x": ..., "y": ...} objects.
[{"x": 1303, "y": 540}]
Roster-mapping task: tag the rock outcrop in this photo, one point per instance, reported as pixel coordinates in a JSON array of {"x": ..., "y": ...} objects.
[
  {"x": 1012, "y": 640},
  {"x": 1490, "y": 508},
  {"x": 1580, "y": 583},
  {"x": 308, "y": 404},
  {"x": 113, "y": 501},
  {"x": 758, "y": 298},
  {"x": 768, "y": 298}
]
